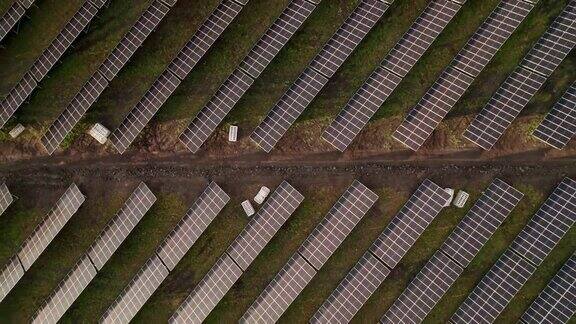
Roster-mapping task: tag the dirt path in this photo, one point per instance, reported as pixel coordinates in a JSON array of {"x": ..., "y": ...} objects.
[{"x": 309, "y": 167}]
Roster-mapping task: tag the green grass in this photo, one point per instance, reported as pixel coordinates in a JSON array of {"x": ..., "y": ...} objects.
[
  {"x": 181, "y": 23},
  {"x": 173, "y": 201}
]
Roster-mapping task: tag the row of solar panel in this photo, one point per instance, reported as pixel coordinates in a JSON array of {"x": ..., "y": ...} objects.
[
  {"x": 48, "y": 59},
  {"x": 519, "y": 88},
  {"x": 13, "y": 15},
  {"x": 355, "y": 115},
  {"x": 527, "y": 251},
  {"x": 232, "y": 90},
  {"x": 176, "y": 71},
  {"x": 40, "y": 238},
  {"x": 98, "y": 82},
  {"x": 450, "y": 87},
  {"x": 239, "y": 255}
]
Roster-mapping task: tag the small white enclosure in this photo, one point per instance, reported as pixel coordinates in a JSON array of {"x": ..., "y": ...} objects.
[
  {"x": 248, "y": 209},
  {"x": 461, "y": 199},
  {"x": 261, "y": 195},
  {"x": 233, "y": 133},
  {"x": 99, "y": 132},
  {"x": 16, "y": 131}
]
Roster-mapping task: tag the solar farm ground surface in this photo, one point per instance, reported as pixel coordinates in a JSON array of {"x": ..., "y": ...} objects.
[
  {"x": 178, "y": 179},
  {"x": 132, "y": 82},
  {"x": 177, "y": 186}
]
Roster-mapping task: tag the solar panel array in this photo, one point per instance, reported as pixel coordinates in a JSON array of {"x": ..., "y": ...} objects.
[
  {"x": 557, "y": 302},
  {"x": 496, "y": 289},
  {"x": 545, "y": 229},
  {"x": 559, "y": 125},
  {"x": 11, "y": 17},
  {"x": 97, "y": 255},
  {"x": 314, "y": 77},
  {"x": 98, "y": 82},
  {"x": 168, "y": 254},
  {"x": 374, "y": 92},
  {"x": 177, "y": 71},
  {"x": 481, "y": 221},
  {"x": 453, "y": 82},
  {"x": 312, "y": 254},
  {"x": 6, "y": 198},
  {"x": 519, "y": 88},
  {"x": 249, "y": 69},
  {"x": 245, "y": 248},
  {"x": 446, "y": 265},
  {"x": 40, "y": 238},
  {"x": 48, "y": 59},
  {"x": 384, "y": 254}
]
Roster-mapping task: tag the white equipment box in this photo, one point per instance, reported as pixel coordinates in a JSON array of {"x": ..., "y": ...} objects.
[
  {"x": 451, "y": 192},
  {"x": 99, "y": 132},
  {"x": 248, "y": 209},
  {"x": 233, "y": 133},
  {"x": 261, "y": 195},
  {"x": 461, "y": 199},
  {"x": 16, "y": 131}
]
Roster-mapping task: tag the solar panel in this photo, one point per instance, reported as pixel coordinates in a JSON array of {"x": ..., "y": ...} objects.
[
  {"x": 89, "y": 93},
  {"x": 121, "y": 225},
  {"x": 66, "y": 293},
  {"x": 144, "y": 110},
  {"x": 495, "y": 290},
  {"x": 26, "y": 3},
  {"x": 405, "y": 228},
  {"x": 348, "y": 36},
  {"x": 506, "y": 104},
  {"x": 168, "y": 254},
  {"x": 374, "y": 92},
  {"x": 206, "y": 121},
  {"x": 312, "y": 254},
  {"x": 453, "y": 82},
  {"x": 545, "y": 229},
  {"x": 45, "y": 232},
  {"x": 288, "y": 109},
  {"x": 314, "y": 77},
  {"x": 338, "y": 223},
  {"x": 16, "y": 97},
  {"x": 424, "y": 292},
  {"x": 281, "y": 292},
  {"x": 276, "y": 37},
  {"x": 557, "y": 302},
  {"x": 555, "y": 44},
  {"x": 143, "y": 27},
  {"x": 10, "y": 275},
  {"x": 11, "y": 18},
  {"x": 374, "y": 266},
  {"x": 361, "y": 107},
  {"x": 559, "y": 125},
  {"x": 432, "y": 108},
  {"x": 97, "y": 255},
  {"x": 138, "y": 291},
  {"x": 204, "y": 38},
  {"x": 62, "y": 42},
  {"x": 178, "y": 69},
  {"x": 98, "y": 3},
  {"x": 5, "y": 198},
  {"x": 358, "y": 285},
  {"x": 208, "y": 292},
  {"x": 481, "y": 221},
  {"x": 127, "y": 46},
  {"x": 215, "y": 110},
  {"x": 519, "y": 88},
  {"x": 247, "y": 245},
  {"x": 264, "y": 225},
  {"x": 192, "y": 225}
]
